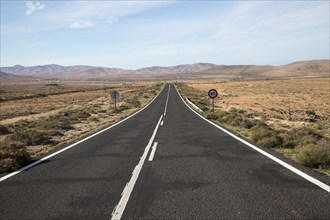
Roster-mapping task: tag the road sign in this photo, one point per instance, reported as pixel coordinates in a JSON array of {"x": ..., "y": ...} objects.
[
  {"x": 213, "y": 93},
  {"x": 115, "y": 95}
]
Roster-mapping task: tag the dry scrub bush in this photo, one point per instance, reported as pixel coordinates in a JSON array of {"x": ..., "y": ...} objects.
[
  {"x": 134, "y": 102},
  {"x": 4, "y": 130},
  {"x": 31, "y": 137},
  {"x": 314, "y": 156},
  {"x": 305, "y": 136},
  {"x": 54, "y": 123},
  {"x": 266, "y": 137},
  {"x": 13, "y": 155}
]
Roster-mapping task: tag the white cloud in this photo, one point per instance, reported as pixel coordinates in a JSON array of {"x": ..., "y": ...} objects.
[
  {"x": 250, "y": 20},
  {"x": 74, "y": 14},
  {"x": 82, "y": 24},
  {"x": 32, "y": 7}
]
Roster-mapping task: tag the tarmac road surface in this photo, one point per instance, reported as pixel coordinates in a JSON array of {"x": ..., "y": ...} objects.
[{"x": 165, "y": 162}]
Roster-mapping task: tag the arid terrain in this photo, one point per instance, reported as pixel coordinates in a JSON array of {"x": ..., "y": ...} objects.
[{"x": 285, "y": 103}]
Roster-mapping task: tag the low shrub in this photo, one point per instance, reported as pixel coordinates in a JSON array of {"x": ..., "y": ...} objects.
[
  {"x": 94, "y": 119},
  {"x": 13, "y": 155},
  {"x": 310, "y": 112},
  {"x": 233, "y": 118},
  {"x": 135, "y": 102},
  {"x": 314, "y": 156},
  {"x": 121, "y": 108},
  {"x": 305, "y": 136},
  {"x": 235, "y": 110},
  {"x": 78, "y": 116},
  {"x": 266, "y": 137},
  {"x": 271, "y": 142},
  {"x": 4, "y": 130},
  {"x": 246, "y": 123},
  {"x": 260, "y": 132},
  {"x": 212, "y": 116},
  {"x": 54, "y": 133},
  {"x": 55, "y": 123},
  {"x": 102, "y": 111},
  {"x": 288, "y": 140},
  {"x": 241, "y": 121},
  {"x": 31, "y": 137},
  {"x": 223, "y": 116}
]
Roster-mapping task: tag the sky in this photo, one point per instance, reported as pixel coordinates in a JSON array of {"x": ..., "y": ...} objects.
[{"x": 136, "y": 34}]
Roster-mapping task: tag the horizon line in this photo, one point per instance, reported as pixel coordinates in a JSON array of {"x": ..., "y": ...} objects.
[{"x": 86, "y": 65}]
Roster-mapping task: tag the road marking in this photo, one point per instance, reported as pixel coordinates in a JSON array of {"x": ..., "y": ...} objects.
[
  {"x": 161, "y": 124},
  {"x": 168, "y": 95},
  {"x": 153, "y": 151},
  {"x": 120, "y": 208},
  {"x": 284, "y": 164},
  {"x": 72, "y": 145}
]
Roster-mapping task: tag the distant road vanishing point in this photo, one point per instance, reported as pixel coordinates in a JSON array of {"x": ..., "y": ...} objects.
[{"x": 164, "y": 162}]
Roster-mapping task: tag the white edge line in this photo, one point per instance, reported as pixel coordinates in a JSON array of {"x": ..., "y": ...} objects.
[
  {"x": 72, "y": 145},
  {"x": 193, "y": 105},
  {"x": 284, "y": 164},
  {"x": 153, "y": 151},
  {"x": 120, "y": 208},
  {"x": 161, "y": 124}
]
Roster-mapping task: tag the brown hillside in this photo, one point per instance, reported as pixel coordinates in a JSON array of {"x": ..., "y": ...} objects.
[
  {"x": 10, "y": 78},
  {"x": 317, "y": 68}
]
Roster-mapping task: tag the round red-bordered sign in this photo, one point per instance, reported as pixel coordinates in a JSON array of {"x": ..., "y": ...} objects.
[{"x": 213, "y": 93}]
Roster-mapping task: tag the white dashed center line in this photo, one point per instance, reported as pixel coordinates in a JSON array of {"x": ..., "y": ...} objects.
[
  {"x": 168, "y": 95},
  {"x": 119, "y": 209},
  {"x": 153, "y": 151}
]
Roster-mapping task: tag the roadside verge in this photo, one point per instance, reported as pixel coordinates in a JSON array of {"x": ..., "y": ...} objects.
[
  {"x": 76, "y": 143},
  {"x": 263, "y": 152}
]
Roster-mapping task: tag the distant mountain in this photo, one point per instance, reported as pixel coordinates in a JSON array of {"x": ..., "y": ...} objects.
[
  {"x": 314, "y": 68},
  {"x": 10, "y": 78},
  {"x": 63, "y": 72},
  {"x": 179, "y": 69},
  {"x": 90, "y": 72}
]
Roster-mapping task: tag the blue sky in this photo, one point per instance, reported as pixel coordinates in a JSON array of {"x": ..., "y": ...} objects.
[{"x": 135, "y": 34}]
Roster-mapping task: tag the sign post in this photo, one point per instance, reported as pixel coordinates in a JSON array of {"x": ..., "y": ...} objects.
[
  {"x": 115, "y": 96},
  {"x": 213, "y": 94}
]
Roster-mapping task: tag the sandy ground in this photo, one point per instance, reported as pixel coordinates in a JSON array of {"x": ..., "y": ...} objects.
[{"x": 281, "y": 102}]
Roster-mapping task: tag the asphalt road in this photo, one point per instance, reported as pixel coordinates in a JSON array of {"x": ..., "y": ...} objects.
[{"x": 195, "y": 171}]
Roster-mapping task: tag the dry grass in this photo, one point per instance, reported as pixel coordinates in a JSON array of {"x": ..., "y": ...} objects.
[{"x": 283, "y": 103}]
